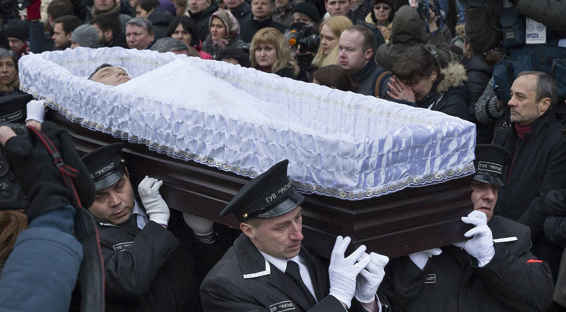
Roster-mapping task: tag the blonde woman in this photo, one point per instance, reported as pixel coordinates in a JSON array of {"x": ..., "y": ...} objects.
[
  {"x": 269, "y": 52},
  {"x": 330, "y": 31}
]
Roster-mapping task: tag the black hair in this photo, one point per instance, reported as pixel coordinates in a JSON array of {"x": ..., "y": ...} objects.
[
  {"x": 97, "y": 69},
  {"x": 58, "y": 8},
  {"x": 148, "y": 5},
  {"x": 188, "y": 25},
  {"x": 69, "y": 23},
  {"x": 334, "y": 77}
]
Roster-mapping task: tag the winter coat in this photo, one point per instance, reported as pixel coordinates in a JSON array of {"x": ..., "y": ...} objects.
[
  {"x": 145, "y": 269},
  {"x": 385, "y": 30},
  {"x": 39, "y": 40},
  {"x": 213, "y": 49},
  {"x": 41, "y": 272},
  {"x": 290, "y": 72},
  {"x": 449, "y": 94},
  {"x": 249, "y": 27},
  {"x": 479, "y": 73},
  {"x": 244, "y": 281},
  {"x": 538, "y": 165},
  {"x": 514, "y": 280},
  {"x": 201, "y": 20},
  {"x": 160, "y": 20},
  {"x": 548, "y": 12},
  {"x": 366, "y": 78},
  {"x": 547, "y": 219},
  {"x": 241, "y": 12}
]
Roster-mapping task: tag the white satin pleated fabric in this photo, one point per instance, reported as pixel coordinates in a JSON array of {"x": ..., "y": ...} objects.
[{"x": 241, "y": 120}]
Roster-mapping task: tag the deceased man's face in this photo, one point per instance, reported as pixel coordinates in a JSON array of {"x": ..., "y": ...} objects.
[{"x": 111, "y": 76}]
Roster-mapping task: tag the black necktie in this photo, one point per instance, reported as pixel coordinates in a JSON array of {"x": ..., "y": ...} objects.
[{"x": 293, "y": 271}]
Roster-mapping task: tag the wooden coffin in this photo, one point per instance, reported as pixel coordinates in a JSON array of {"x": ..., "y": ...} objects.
[{"x": 395, "y": 225}]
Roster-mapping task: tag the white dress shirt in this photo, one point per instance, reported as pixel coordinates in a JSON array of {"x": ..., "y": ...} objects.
[{"x": 281, "y": 264}]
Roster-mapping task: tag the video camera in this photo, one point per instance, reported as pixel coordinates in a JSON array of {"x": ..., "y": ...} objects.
[{"x": 303, "y": 38}]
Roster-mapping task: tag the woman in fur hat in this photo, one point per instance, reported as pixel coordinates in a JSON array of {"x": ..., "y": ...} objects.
[
  {"x": 224, "y": 32},
  {"x": 381, "y": 17}
]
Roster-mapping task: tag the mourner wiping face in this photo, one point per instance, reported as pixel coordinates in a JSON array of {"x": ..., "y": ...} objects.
[
  {"x": 116, "y": 203},
  {"x": 484, "y": 197},
  {"x": 280, "y": 236}
]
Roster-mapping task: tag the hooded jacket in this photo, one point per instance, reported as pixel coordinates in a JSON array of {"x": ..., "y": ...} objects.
[{"x": 449, "y": 94}]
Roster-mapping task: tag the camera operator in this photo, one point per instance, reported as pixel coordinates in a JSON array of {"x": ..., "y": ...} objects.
[{"x": 303, "y": 40}]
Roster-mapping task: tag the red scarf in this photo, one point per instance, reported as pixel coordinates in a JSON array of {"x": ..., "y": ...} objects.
[{"x": 522, "y": 131}]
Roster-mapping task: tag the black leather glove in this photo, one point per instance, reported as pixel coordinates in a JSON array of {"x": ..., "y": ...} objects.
[
  {"x": 554, "y": 203},
  {"x": 534, "y": 218},
  {"x": 36, "y": 172}
]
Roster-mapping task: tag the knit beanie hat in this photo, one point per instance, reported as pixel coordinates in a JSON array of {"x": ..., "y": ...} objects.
[
  {"x": 308, "y": 10},
  {"x": 86, "y": 36},
  {"x": 17, "y": 29}
]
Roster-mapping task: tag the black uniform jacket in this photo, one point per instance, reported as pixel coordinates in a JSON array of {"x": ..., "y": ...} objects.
[
  {"x": 244, "y": 281},
  {"x": 514, "y": 280},
  {"x": 145, "y": 269}
]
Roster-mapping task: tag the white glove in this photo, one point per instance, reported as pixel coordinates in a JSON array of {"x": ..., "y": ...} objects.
[
  {"x": 480, "y": 245},
  {"x": 200, "y": 226},
  {"x": 343, "y": 271},
  {"x": 370, "y": 278},
  {"x": 420, "y": 258},
  {"x": 155, "y": 207},
  {"x": 35, "y": 110}
]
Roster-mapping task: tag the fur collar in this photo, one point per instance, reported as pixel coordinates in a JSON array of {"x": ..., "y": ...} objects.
[{"x": 453, "y": 75}]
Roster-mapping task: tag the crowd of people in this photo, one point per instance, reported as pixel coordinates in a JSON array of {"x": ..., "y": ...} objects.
[{"x": 120, "y": 247}]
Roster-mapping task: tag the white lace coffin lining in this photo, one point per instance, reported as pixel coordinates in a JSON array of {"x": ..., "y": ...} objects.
[{"x": 240, "y": 120}]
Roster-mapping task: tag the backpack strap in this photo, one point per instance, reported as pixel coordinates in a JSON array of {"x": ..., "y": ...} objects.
[{"x": 378, "y": 82}]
